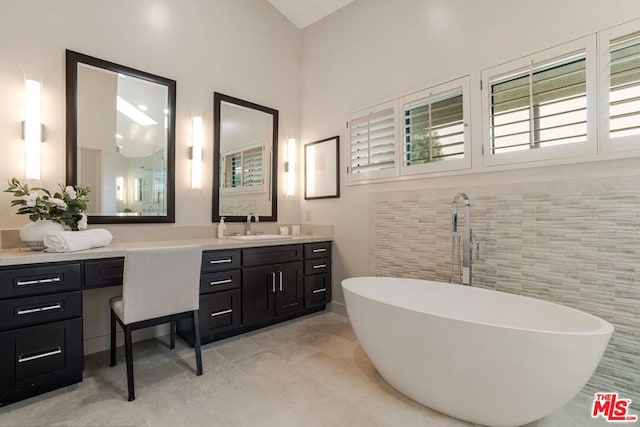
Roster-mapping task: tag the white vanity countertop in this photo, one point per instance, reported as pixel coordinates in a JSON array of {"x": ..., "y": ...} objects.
[{"x": 10, "y": 257}]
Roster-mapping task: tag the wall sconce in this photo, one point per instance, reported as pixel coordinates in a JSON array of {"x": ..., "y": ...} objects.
[
  {"x": 120, "y": 188},
  {"x": 290, "y": 167},
  {"x": 32, "y": 130},
  {"x": 196, "y": 152}
]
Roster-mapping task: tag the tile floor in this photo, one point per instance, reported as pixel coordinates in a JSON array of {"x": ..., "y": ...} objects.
[{"x": 305, "y": 372}]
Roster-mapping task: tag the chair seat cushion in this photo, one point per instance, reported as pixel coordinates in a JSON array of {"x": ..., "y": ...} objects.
[{"x": 117, "y": 305}]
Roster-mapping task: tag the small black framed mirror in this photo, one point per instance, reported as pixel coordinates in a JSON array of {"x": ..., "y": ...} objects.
[
  {"x": 121, "y": 140},
  {"x": 245, "y": 146}
]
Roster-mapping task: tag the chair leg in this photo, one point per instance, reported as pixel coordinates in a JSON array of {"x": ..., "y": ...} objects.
[
  {"x": 196, "y": 329},
  {"x": 113, "y": 339},
  {"x": 172, "y": 336},
  {"x": 128, "y": 346}
]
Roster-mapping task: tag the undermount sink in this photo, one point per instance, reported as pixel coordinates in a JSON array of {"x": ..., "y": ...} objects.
[{"x": 260, "y": 237}]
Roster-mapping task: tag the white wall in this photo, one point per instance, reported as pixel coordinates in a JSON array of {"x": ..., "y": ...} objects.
[
  {"x": 246, "y": 49},
  {"x": 374, "y": 50}
]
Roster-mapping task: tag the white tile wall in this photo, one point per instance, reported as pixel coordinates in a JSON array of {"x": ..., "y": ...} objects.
[{"x": 578, "y": 245}]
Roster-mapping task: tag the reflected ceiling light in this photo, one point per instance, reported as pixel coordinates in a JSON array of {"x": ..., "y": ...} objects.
[
  {"x": 118, "y": 136},
  {"x": 142, "y": 107},
  {"x": 133, "y": 113}
]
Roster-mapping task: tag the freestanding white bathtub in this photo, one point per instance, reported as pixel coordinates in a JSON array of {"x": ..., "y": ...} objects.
[{"x": 479, "y": 355}]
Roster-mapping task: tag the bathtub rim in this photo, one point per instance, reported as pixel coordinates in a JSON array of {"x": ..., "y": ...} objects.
[{"x": 604, "y": 328}]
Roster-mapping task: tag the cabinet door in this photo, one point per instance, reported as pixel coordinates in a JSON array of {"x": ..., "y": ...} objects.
[
  {"x": 258, "y": 294},
  {"x": 290, "y": 288}
]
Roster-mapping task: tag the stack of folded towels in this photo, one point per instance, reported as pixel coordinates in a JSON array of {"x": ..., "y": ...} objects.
[{"x": 71, "y": 241}]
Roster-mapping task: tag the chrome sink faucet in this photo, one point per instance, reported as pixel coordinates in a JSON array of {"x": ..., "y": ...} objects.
[{"x": 247, "y": 228}]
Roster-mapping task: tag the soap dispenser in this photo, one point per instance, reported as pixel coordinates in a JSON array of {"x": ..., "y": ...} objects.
[{"x": 222, "y": 229}]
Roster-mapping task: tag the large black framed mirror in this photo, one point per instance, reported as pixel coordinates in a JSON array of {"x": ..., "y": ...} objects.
[
  {"x": 121, "y": 140},
  {"x": 245, "y": 146}
]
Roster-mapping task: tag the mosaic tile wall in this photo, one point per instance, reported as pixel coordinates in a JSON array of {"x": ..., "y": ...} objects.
[{"x": 578, "y": 249}]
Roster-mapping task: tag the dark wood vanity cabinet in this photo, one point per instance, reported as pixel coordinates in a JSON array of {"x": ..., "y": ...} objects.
[
  {"x": 317, "y": 274},
  {"x": 40, "y": 329},
  {"x": 272, "y": 284},
  {"x": 220, "y": 298},
  {"x": 246, "y": 289},
  {"x": 271, "y": 291}
]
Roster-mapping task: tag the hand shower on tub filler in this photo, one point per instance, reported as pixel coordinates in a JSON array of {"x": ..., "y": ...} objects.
[{"x": 461, "y": 241}]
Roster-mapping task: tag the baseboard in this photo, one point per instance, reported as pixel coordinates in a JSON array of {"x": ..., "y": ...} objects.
[{"x": 338, "y": 308}]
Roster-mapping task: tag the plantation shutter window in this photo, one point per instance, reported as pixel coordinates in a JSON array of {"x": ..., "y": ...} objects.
[
  {"x": 372, "y": 147},
  {"x": 624, "y": 86},
  {"x": 243, "y": 170},
  {"x": 542, "y": 106},
  {"x": 435, "y": 131}
]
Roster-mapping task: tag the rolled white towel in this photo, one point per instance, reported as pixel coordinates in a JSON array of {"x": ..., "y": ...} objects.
[{"x": 71, "y": 241}]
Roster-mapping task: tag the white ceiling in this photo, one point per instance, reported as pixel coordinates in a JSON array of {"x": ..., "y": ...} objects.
[{"x": 306, "y": 12}]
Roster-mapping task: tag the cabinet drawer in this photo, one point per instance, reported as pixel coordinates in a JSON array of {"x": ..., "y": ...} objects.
[
  {"x": 219, "y": 312},
  {"x": 39, "y": 279},
  {"x": 317, "y": 250},
  {"x": 271, "y": 255},
  {"x": 316, "y": 266},
  {"x": 103, "y": 272},
  {"x": 220, "y": 260},
  {"x": 40, "y": 358},
  {"x": 21, "y": 312},
  {"x": 317, "y": 290},
  {"x": 222, "y": 281}
]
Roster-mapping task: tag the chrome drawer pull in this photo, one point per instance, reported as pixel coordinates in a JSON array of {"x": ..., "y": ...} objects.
[
  {"x": 319, "y": 266},
  {"x": 220, "y": 282},
  {"x": 220, "y": 313},
  {"x": 317, "y": 291},
  {"x": 315, "y": 251},
  {"x": 273, "y": 282},
  {"x": 39, "y": 309},
  {"x": 40, "y": 356},
  {"x": 221, "y": 261},
  {"x": 38, "y": 282},
  {"x": 281, "y": 281}
]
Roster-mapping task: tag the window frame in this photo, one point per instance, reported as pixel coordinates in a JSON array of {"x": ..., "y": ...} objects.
[
  {"x": 570, "y": 151},
  {"x": 621, "y": 143},
  {"x": 448, "y": 165}
]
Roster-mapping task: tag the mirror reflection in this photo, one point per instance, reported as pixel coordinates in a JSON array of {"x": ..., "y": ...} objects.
[
  {"x": 123, "y": 141},
  {"x": 245, "y": 145}
]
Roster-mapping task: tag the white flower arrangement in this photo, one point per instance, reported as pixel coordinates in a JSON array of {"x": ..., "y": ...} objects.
[{"x": 66, "y": 206}]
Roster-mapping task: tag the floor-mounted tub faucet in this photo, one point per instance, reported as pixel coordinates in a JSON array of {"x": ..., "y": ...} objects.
[{"x": 464, "y": 270}]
